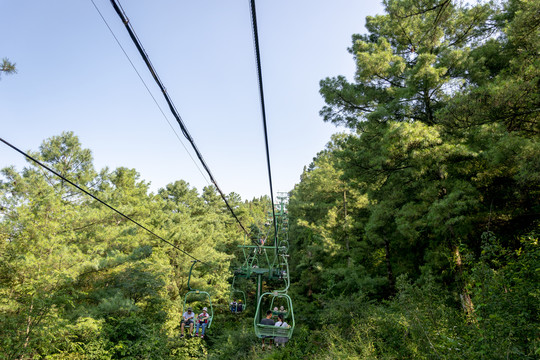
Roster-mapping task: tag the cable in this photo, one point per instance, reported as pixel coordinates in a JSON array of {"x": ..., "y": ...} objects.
[
  {"x": 173, "y": 109},
  {"x": 259, "y": 73},
  {"x": 99, "y": 200},
  {"x": 149, "y": 92}
]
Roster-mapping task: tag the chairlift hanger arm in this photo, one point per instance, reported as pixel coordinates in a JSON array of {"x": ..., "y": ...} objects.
[{"x": 189, "y": 278}]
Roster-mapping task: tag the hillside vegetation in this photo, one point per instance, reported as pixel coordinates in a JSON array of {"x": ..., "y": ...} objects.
[{"x": 413, "y": 234}]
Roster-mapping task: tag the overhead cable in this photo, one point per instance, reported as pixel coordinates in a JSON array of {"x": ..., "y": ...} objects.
[
  {"x": 99, "y": 200},
  {"x": 148, "y": 90},
  {"x": 261, "y": 93},
  {"x": 173, "y": 109}
]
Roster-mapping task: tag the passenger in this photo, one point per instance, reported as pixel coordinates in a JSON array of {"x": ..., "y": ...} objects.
[
  {"x": 202, "y": 322},
  {"x": 268, "y": 321},
  {"x": 233, "y": 306},
  {"x": 187, "y": 319},
  {"x": 239, "y": 306},
  {"x": 281, "y": 339},
  {"x": 281, "y": 309}
]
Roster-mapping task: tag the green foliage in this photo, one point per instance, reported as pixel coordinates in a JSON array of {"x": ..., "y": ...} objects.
[
  {"x": 414, "y": 56},
  {"x": 412, "y": 236},
  {"x": 441, "y": 151},
  {"x": 78, "y": 281},
  {"x": 7, "y": 67},
  {"x": 506, "y": 290}
]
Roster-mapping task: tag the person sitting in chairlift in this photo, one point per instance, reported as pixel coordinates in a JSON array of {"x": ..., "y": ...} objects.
[
  {"x": 239, "y": 306},
  {"x": 202, "y": 322},
  {"x": 187, "y": 319},
  {"x": 234, "y": 306},
  {"x": 267, "y": 321},
  {"x": 281, "y": 323}
]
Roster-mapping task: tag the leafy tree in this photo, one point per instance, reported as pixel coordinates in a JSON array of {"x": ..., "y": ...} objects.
[
  {"x": 39, "y": 256},
  {"x": 423, "y": 175},
  {"x": 80, "y": 280},
  {"x": 441, "y": 151},
  {"x": 408, "y": 65},
  {"x": 502, "y": 81},
  {"x": 7, "y": 67}
]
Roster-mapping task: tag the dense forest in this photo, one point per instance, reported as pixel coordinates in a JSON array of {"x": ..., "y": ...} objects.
[{"x": 413, "y": 234}]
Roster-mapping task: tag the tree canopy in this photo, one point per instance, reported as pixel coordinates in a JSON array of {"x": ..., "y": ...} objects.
[
  {"x": 7, "y": 67},
  {"x": 413, "y": 233}
]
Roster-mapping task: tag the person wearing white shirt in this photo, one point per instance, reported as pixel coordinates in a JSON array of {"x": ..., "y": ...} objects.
[
  {"x": 187, "y": 319},
  {"x": 281, "y": 339}
]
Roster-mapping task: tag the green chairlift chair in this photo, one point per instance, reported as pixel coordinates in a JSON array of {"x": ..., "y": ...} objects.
[
  {"x": 237, "y": 294},
  {"x": 199, "y": 296},
  {"x": 270, "y": 330}
]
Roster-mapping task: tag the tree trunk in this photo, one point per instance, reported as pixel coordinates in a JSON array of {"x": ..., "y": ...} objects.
[
  {"x": 389, "y": 272},
  {"x": 465, "y": 297},
  {"x": 347, "y": 245},
  {"x": 28, "y": 324}
]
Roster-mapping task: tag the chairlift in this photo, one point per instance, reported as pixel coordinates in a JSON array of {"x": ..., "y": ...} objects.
[
  {"x": 198, "y": 297},
  {"x": 236, "y": 294},
  {"x": 271, "y": 330}
]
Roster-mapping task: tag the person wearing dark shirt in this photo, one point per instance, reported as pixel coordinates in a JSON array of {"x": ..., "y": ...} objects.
[
  {"x": 268, "y": 321},
  {"x": 234, "y": 306}
]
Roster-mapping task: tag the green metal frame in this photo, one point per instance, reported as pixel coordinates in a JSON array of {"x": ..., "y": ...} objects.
[
  {"x": 204, "y": 294},
  {"x": 269, "y": 262},
  {"x": 232, "y": 297},
  {"x": 271, "y": 330},
  {"x": 284, "y": 313},
  {"x": 265, "y": 259}
]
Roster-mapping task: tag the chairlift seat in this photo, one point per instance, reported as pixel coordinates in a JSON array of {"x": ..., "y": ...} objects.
[
  {"x": 284, "y": 313},
  {"x": 271, "y": 330}
]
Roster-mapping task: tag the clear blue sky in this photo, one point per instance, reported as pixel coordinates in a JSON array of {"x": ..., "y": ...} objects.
[{"x": 72, "y": 76}]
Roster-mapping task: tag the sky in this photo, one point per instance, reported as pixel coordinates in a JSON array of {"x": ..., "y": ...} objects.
[{"x": 73, "y": 76}]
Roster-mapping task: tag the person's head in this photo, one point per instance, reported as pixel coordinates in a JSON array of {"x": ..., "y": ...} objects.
[
  {"x": 269, "y": 314},
  {"x": 189, "y": 309},
  {"x": 280, "y": 317},
  {"x": 204, "y": 309}
]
